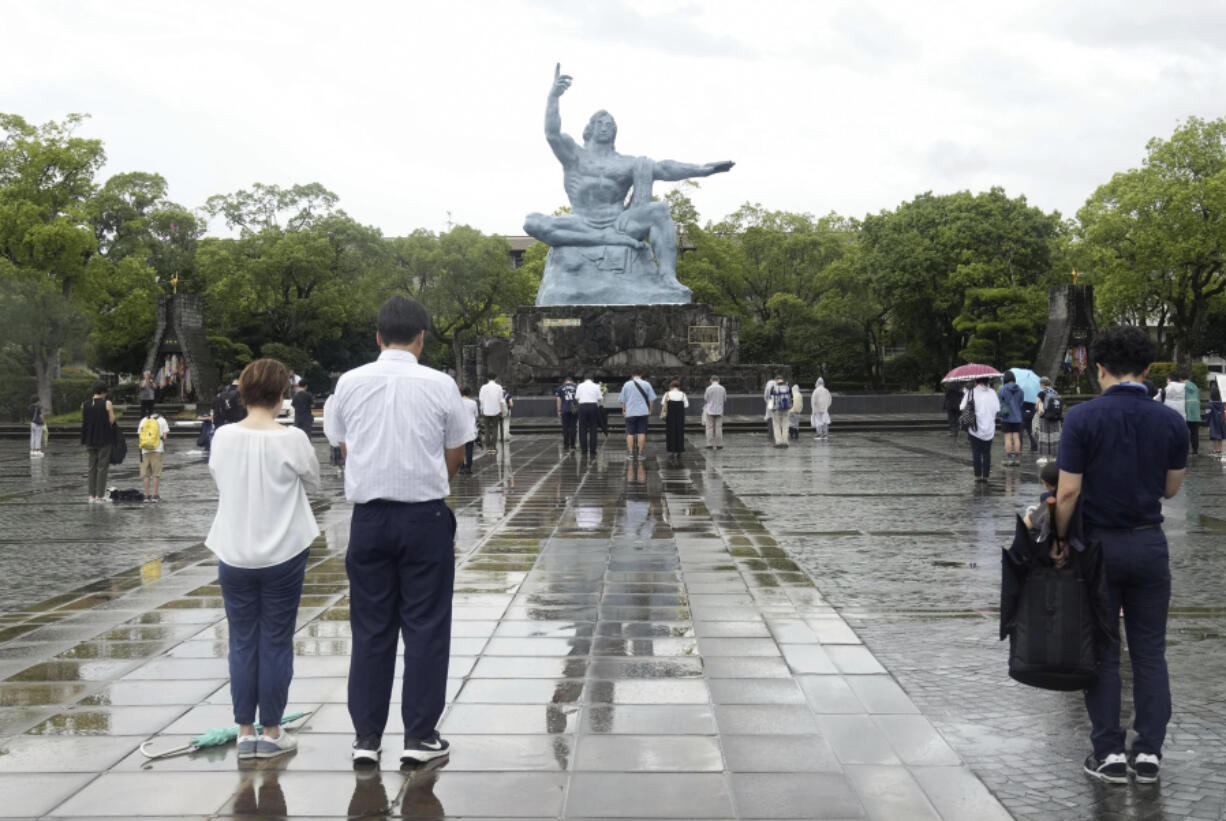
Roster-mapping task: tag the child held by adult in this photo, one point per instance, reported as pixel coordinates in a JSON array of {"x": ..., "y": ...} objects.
[{"x": 261, "y": 536}]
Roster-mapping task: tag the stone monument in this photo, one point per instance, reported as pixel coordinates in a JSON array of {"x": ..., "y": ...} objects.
[
  {"x": 608, "y": 251},
  {"x": 180, "y": 333},
  {"x": 1070, "y": 328},
  {"x": 609, "y": 302}
]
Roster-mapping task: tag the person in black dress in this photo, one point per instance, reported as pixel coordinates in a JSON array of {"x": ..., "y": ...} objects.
[{"x": 673, "y": 409}]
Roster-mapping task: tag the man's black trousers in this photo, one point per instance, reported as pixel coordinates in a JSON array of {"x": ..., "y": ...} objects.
[
  {"x": 569, "y": 420},
  {"x": 401, "y": 565},
  {"x": 589, "y": 422}
]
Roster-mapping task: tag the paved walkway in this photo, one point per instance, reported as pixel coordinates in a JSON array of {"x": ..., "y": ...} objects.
[{"x": 630, "y": 641}]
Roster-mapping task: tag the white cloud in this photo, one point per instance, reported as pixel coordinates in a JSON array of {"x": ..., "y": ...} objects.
[{"x": 409, "y": 111}]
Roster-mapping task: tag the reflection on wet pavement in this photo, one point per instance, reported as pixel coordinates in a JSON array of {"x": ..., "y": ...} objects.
[{"x": 630, "y": 639}]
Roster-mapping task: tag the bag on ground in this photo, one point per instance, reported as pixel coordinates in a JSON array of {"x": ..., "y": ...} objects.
[{"x": 126, "y": 495}]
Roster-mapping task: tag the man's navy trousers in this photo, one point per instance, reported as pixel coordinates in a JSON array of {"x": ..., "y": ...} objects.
[{"x": 401, "y": 565}]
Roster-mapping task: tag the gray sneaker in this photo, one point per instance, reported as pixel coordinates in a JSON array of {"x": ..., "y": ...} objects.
[
  {"x": 268, "y": 747},
  {"x": 246, "y": 746}
]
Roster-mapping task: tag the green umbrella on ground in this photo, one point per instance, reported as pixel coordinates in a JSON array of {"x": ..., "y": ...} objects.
[{"x": 213, "y": 738}]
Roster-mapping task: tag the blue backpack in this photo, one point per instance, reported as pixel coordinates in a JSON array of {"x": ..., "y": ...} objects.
[{"x": 783, "y": 397}]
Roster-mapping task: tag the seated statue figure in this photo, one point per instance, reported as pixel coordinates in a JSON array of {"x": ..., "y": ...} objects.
[{"x": 602, "y": 252}]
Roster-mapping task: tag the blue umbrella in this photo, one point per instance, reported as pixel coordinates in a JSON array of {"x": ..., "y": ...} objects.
[{"x": 1028, "y": 381}]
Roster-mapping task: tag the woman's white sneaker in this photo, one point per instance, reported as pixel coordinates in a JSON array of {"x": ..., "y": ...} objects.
[{"x": 269, "y": 747}]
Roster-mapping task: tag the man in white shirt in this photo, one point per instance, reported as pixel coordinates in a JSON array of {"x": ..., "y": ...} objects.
[
  {"x": 402, "y": 427},
  {"x": 470, "y": 407},
  {"x": 492, "y": 406},
  {"x": 588, "y": 395},
  {"x": 713, "y": 413}
]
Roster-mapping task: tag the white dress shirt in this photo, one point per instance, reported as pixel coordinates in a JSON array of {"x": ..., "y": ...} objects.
[
  {"x": 397, "y": 418},
  {"x": 587, "y": 392},
  {"x": 490, "y": 399},
  {"x": 263, "y": 516}
]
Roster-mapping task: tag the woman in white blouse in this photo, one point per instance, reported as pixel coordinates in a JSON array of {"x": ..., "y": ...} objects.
[{"x": 261, "y": 533}]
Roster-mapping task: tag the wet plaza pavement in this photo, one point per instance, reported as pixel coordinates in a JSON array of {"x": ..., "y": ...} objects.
[{"x": 757, "y": 633}]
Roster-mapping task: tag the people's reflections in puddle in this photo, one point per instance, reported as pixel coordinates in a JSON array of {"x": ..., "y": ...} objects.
[
  {"x": 369, "y": 795},
  {"x": 260, "y": 796},
  {"x": 417, "y": 798},
  {"x": 414, "y": 799}
]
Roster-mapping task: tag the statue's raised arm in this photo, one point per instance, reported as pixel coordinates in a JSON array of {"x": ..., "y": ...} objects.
[{"x": 563, "y": 145}]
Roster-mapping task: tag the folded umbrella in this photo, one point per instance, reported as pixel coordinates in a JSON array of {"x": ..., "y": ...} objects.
[{"x": 214, "y": 737}]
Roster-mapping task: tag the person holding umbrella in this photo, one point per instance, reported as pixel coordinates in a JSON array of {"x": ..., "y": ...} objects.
[
  {"x": 1011, "y": 418},
  {"x": 1028, "y": 381},
  {"x": 986, "y": 405}
]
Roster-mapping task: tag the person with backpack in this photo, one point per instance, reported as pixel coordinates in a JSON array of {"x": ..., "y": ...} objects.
[
  {"x": 1050, "y": 413},
  {"x": 151, "y": 434},
  {"x": 568, "y": 412},
  {"x": 779, "y": 403}
]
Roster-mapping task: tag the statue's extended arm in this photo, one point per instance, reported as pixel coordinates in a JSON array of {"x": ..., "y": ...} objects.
[
  {"x": 563, "y": 145},
  {"x": 671, "y": 170}
]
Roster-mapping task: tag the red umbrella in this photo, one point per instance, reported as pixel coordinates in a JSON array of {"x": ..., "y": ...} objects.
[{"x": 969, "y": 373}]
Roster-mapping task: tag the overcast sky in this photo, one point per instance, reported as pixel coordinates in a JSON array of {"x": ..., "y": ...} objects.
[{"x": 412, "y": 110}]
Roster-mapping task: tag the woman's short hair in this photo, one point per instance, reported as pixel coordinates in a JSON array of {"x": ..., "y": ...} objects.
[
  {"x": 263, "y": 384},
  {"x": 99, "y": 388},
  {"x": 676, "y": 383}
]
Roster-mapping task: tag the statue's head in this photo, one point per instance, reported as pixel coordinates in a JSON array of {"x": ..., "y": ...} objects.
[{"x": 601, "y": 127}]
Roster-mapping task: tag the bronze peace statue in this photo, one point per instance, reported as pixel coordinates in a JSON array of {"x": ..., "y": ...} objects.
[{"x": 608, "y": 251}]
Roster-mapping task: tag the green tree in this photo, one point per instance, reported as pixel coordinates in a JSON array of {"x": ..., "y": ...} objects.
[
  {"x": 47, "y": 248},
  {"x": 300, "y": 272},
  {"x": 1153, "y": 239},
  {"x": 926, "y": 255},
  {"x": 150, "y": 244},
  {"x": 465, "y": 281},
  {"x": 1002, "y": 325}
]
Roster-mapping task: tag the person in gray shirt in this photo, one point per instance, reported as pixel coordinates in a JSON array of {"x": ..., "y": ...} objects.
[{"x": 713, "y": 413}]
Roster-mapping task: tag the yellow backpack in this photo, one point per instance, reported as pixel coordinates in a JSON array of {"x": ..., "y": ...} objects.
[{"x": 150, "y": 434}]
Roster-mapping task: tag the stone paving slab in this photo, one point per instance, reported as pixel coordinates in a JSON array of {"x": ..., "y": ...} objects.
[
  {"x": 901, "y": 543},
  {"x": 631, "y": 641}
]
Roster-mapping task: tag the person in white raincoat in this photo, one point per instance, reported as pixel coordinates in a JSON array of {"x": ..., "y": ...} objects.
[{"x": 821, "y": 409}]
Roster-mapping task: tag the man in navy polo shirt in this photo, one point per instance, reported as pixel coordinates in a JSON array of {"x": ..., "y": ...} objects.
[{"x": 1122, "y": 454}]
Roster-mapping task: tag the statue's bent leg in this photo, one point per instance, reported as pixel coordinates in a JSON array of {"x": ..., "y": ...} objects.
[
  {"x": 654, "y": 221},
  {"x": 556, "y": 231}
]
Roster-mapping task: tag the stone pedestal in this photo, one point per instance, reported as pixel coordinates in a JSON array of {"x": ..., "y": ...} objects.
[
  {"x": 609, "y": 342},
  {"x": 606, "y": 275}
]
